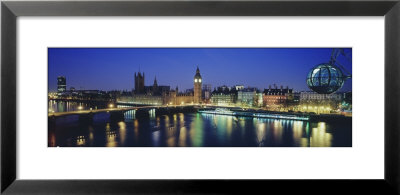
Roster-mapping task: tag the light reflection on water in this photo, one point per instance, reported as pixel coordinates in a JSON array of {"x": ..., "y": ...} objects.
[{"x": 196, "y": 130}]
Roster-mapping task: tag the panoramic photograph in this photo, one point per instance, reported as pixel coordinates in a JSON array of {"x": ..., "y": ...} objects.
[{"x": 199, "y": 97}]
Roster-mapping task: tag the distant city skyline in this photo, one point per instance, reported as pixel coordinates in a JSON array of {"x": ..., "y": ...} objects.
[{"x": 114, "y": 68}]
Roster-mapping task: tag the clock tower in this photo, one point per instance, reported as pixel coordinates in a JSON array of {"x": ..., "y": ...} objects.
[{"x": 197, "y": 87}]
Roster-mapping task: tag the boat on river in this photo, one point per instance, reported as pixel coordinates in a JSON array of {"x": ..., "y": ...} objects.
[{"x": 254, "y": 113}]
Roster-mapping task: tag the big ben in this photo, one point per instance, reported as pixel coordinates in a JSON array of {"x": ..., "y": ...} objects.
[{"x": 197, "y": 87}]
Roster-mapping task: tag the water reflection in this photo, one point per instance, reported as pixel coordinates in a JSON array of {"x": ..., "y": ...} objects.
[
  {"x": 320, "y": 137},
  {"x": 196, "y": 130},
  {"x": 111, "y": 136}
]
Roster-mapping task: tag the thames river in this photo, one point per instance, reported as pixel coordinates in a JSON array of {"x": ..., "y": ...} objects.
[{"x": 192, "y": 130}]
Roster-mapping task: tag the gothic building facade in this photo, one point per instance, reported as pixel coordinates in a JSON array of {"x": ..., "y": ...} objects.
[
  {"x": 163, "y": 95},
  {"x": 139, "y": 83}
]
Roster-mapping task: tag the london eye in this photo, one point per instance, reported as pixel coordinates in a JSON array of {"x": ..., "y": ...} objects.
[{"x": 329, "y": 77}]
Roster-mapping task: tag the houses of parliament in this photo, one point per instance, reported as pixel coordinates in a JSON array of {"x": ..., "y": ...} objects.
[{"x": 163, "y": 95}]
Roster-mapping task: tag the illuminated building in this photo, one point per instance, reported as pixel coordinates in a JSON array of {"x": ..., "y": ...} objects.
[
  {"x": 155, "y": 89},
  {"x": 191, "y": 90},
  {"x": 313, "y": 96},
  {"x": 259, "y": 99},
  {"x": 247, "y": 97},
  {"x": 223, "y": 96},
  {"x": 162, "y": 95},
  {"x": 176, "y": 98},
  {"x": 206, "y": 92},
  {"x": 277, "y": 99},
  {"x": 293, "y": 103},
  {"x": 197, "y": 87},
  {"x": 221, "y": 99},
  {"x": 346, "y": 104},
  {"x": 189, "y": 96},
  {"x": 239, "y": 87},
  {"x": 147, "y": 99},
  {"x": 319, "y": 103},
  {"x": 61, "y": 84}
]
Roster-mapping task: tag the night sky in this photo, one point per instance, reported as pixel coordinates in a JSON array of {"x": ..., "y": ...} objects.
[{"x": 114, "y": 68}]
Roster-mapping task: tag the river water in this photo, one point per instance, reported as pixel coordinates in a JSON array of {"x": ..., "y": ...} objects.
[{"x": 195, "y": 130}]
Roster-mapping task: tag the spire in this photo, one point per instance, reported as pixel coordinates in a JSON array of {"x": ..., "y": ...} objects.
[
  {"x": 197, "y": 75},
  {"x": 155, "y": 80}
]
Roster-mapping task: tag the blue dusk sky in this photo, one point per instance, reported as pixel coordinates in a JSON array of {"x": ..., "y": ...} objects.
[{"x": 114, "y": 68}]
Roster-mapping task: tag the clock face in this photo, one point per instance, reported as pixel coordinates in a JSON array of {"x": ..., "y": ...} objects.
[
  {"x": 199, "y": 80},
  {"x": 195, "y": 80}
]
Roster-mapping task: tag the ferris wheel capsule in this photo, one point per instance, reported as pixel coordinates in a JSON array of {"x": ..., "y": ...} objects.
[{"x": 325, "y": 78}]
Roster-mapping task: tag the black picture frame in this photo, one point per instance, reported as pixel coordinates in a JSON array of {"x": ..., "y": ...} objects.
[{"x": 11, "y": 10}]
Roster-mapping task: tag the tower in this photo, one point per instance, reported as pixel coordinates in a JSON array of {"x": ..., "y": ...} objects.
[
  {"x": 197, "y": 87},
  {"x": 155, "y": 86},
  {"x": 61, "y": 84},
  {"x": 139, "y": 83}
]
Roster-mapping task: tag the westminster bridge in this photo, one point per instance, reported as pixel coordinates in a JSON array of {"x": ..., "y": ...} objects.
[{"x": 118, "y": 112}]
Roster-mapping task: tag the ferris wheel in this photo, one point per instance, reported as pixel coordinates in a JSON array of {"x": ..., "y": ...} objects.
[{"x": 327, "y": 78}]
